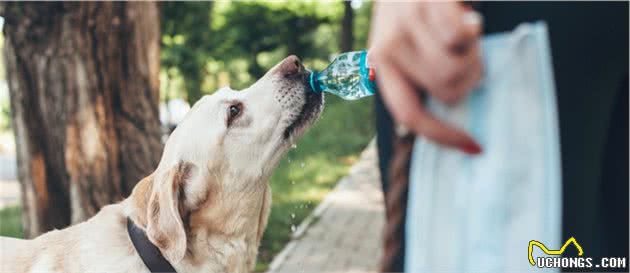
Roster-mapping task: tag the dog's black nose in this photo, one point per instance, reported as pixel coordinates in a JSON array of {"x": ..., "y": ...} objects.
[{"x": 291, "y": 66}]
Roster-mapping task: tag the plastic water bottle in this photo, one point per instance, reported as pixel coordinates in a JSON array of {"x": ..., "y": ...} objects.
[{"x": 349, "y": 76}]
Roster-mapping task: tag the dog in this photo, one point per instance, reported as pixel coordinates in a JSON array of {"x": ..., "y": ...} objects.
[{"x": 206, "y": 205}]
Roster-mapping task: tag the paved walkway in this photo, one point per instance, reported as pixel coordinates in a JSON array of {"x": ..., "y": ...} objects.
[
  {"x": 9, "y": 193},
  {"x": 344, "y": 232},
  {"x": 9, "y": 186}
]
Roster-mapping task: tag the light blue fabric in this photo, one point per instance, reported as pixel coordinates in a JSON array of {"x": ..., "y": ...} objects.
[{"x": 478, "y": 213}]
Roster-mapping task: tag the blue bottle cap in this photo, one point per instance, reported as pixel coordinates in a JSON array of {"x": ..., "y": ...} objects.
[
  {"x": 312, "y": 81},
  {"x": 367, "y": 74}
]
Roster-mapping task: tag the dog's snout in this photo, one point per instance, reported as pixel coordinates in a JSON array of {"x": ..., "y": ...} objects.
[{"x": 291, "y": 66}]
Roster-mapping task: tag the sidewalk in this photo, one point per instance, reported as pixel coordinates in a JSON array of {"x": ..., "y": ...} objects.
[
  {"x": 9, "y": 186},
  {"x": 346, "y": 228}
]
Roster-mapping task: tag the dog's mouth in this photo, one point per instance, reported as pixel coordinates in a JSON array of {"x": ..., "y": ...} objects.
[{"x": 308, "y": 114}]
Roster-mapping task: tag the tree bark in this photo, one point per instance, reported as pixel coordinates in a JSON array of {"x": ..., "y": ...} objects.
[
  {"x": 83, "y": 81},
  {"x": 347, "y": 27}
]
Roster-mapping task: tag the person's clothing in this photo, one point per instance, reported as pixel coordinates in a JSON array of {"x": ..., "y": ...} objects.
[
  {"x": 385, "y": 139},
  {"x": 589, "y": 43},
  {"x": 477, "y": 213},
  {"x": 385, "y": 147}
]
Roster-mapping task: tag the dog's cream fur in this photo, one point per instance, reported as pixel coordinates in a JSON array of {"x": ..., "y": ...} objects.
[{"x": 206, "y": 205}]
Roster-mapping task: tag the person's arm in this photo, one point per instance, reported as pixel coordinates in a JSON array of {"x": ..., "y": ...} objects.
[{"x": 431, "y": 46}]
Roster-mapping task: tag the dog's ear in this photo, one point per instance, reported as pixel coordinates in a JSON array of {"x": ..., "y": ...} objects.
[{"x": 165, "y": 227}]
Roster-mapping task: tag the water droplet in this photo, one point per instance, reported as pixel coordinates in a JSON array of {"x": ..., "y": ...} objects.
[
  {"x": 302, "y": 164},
  {"x": 293, "y": 215},
  {"x": 293, "y": 228},
  {"x": 294, "y": 146}
]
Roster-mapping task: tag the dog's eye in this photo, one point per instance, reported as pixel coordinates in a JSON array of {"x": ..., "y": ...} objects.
[{"x": 233, "y": 112}]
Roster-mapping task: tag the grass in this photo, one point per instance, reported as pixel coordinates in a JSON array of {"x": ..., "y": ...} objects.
[
  {"x": 303, "y": 177},
  {"x": 307, "y": 173},
  {"x": 11, "y": 222}
]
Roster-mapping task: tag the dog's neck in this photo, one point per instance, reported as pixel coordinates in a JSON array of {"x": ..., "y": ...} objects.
[{"x": 223, "y": 232}]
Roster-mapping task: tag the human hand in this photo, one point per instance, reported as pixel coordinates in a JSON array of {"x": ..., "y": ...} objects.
[{"x": 429, "y": 46}]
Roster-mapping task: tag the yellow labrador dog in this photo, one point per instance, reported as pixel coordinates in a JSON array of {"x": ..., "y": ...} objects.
[{"x": 206, "y": 205}]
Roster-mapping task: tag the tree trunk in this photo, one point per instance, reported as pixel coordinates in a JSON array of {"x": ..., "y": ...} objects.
[
  {"x": 347, "y": 27},
  {"x": 83, "y": 81}
]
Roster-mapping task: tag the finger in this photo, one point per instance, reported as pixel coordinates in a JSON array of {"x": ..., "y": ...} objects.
[
  {"x": 382, "y": 20},
  {"x": 468, "y": 76},
  {"x": 464, "y": 74},
  {"x": 455, "y": 26},
  {"x": 445, "y": 75},
  {"x": 405, "y": 105}
]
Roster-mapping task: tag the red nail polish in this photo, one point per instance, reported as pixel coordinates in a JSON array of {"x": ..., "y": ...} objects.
[
  {"x": 471, "y": 148},
  {"x": 371, "y": 74}
]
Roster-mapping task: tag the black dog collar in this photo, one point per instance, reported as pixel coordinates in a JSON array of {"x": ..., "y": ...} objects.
[{"x": 149, "y": 253}]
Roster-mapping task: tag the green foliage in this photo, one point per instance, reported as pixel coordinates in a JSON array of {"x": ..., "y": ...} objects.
[
  {"x": 5, "y": 107},
  {"x": 362, "y": 25},
  {"x": 209, "y": 45},
  {"x": 10, "y": 222},
  {"x": 5, "y": 114},
  {"x": 2, "y": 69},
  {"x": 251, "y": 28},
  {"x": 186, "y": 45}
]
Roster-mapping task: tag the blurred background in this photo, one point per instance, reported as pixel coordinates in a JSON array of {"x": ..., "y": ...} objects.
[{"x": 89, "y": 92}]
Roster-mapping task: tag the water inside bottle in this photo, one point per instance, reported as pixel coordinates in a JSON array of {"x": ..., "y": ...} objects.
[{"x": 343, "y": 77}]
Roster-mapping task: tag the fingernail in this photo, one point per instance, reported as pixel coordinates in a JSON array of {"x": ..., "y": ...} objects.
[{"x": 471, "y": 148}]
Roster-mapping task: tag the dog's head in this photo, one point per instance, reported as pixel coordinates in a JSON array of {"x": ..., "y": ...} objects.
[
  {"x": 247, "y": 131},
  {"x": 225, "y": 149}
]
